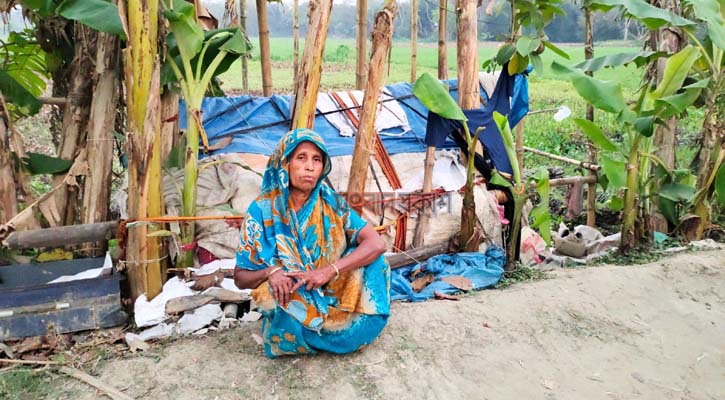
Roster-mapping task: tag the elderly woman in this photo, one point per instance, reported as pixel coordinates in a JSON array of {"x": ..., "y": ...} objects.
[{"x": 316, "y": 267}]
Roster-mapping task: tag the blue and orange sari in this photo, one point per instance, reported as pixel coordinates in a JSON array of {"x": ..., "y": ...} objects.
[{"x": 343, "y": 315}]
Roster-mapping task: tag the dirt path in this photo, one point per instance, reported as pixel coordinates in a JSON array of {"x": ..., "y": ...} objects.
[{"x": 655, "y": 331}]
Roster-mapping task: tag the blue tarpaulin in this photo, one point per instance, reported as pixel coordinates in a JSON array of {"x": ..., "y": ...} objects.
[
  {"x": 483, "y": 270},
  {"x": 257, "y": 123}
]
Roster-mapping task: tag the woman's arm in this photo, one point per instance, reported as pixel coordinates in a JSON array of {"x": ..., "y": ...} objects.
[
  {"x": 281, "y": 284},
  {"x": 370, "y": 247}
]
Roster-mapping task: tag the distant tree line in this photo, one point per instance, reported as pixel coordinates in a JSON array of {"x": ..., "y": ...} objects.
[{"x": 564, "y": 28}]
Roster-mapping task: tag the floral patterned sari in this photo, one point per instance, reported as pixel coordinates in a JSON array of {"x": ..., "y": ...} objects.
[{"x": 343, "y": 315}]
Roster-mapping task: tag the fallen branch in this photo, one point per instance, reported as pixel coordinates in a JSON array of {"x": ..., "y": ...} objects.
[
  {"x": 416, "y": 255},
  {"x": 28, "y": 362},
  {"x": 107, "y": 389}
]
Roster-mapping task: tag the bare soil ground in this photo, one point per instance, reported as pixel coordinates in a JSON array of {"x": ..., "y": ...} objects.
[{"x": 653, "y": 331}]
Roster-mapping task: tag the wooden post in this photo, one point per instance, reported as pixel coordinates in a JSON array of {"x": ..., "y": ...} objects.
[
  {"x": 143, "y": 144},
  {"x": 442, "y": 40},
  {"x": 424, "y": 216},
  {"x": 468, "y": 98},
  {"x": 295, "y": 40},
  {"x": 361, "y": 38},
  {"x": 381, "y": 41},
  {"x": 310, "y": 74},
  {"x": 413, "y": 39},
  {"x": 591, "y": 150},
  {"x": 245, "y": 63},
  {"x": 97, "y": 188},
  {"x": 264, "y": 52}
]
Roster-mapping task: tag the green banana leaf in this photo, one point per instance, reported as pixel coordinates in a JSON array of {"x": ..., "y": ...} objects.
[
  {"x": 37, "y": 163},
  {"x": 712, "y": 13},
  {"x": 23, "y": 101},
  {"x": 101, "y": 15},
  {"x": 540, "y": 214},
  {"x": 671, "y": 106},
  {"x": 555, "y": 49},
  {"x": 616, "y": 172},
  {"x": 615, "y": 60},
  {"x": 652, "y": 17},
  {"x": 595, "y": 135},
  {"x": 431, "y": 92},
  {"x": 508, "y": 140},
  {"x": 188, "y": 35},
  {"x": 604, "y": 95},
  {"x": 677, "y": 68}
]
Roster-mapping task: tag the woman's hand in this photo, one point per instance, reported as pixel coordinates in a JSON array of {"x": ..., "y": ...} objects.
[
  {"x": 314, "y": 279},
  {"x": 281, "y": 287}
]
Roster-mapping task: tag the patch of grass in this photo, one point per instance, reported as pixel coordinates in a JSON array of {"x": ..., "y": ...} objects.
[
  {"x": 23, "y": 383},
  {"x": 520, "y": 274}
]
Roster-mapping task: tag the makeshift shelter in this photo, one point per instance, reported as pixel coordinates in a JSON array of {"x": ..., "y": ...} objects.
[{"x": 242, "y": 131}]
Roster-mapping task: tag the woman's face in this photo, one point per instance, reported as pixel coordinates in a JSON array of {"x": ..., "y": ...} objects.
[{"x": 305, "y": 167}]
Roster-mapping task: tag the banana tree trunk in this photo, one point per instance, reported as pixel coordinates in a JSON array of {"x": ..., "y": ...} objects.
[
  {"x": 628, "y": 240},
  {"x": 361, "y": 40},
  {"x": 442, "y": 40},
  {"x": 75, "y": 121},
  {"x": 97, "y": 189},
  {"x": 8, "y": 192},
  {"x": 468, "y": 98},
  {"x": 141, "y": 64},
  {"x": 310, "y": 73},
  {"x": 381, "y": 42},
  {"x": 591, "y": 149},
  {"x": 264, "y": 52}
]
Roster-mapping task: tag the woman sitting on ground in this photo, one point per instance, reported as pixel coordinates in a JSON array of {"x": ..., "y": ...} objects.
[{"x": 316, "y": 267}]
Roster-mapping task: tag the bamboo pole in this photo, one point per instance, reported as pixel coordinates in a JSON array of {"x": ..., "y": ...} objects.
[
  {"x": 468, "y": 98},
  {"x": 424, "y": 216},
  {"x": 570, "y": 180},
  {"x": 296, "y": 40},
  {"x": 97, "y": 188},
  {"x": 442, "y": 40},
  {"x": 361, "y": 38},
  {"x": 264, "y": 52},
  {"x": 591, "y": 149},
  {"x": 245, "y": 62},
  {"x": 413, "y": 39},
  {"x": 310, "y": 74},
  {"x": 582, "y": 164},
  {"x": 142, "y": 71},
  {"x": 381, "y": 42}
]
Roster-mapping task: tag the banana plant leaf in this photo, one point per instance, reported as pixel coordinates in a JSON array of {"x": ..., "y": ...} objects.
[
  {"x": 235, "y": 43},
  {"x": 616, "y": 172},
  {"x": 671, "y": 106},
  {"x": 37, "y": 163},
  {"x": 23, "y": 101},
  {"x": 101, "y": 15},
  {"x": 595, "y": 134},
  {"x": 555, "y": 49},
  {"x": 677, "y": 68},
  {"x": 604, "y": 95},
  {"x": 651, "y": 16},
  {"x": 615, "y": 60},
  {"x": 188, "y": 35},
  {"x": 431, "y": 92},
  {"x": 540, "y": 214},
  {"x": 711, "y": 12}
]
